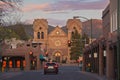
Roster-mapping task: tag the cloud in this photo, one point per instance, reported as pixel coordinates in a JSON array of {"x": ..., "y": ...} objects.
[
  {"x": 51, "y": 21},
  {"x": 29, "y": 21},
  {"x": 60, "y": 12},
  {"x": 62, "y": 5},
  {"x": 77, "y": 5},
  {"x": 55, "y": 22},
  {"x": 34, "y": 7}
]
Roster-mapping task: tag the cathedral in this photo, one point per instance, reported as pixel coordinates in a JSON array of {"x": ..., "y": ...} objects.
[{"x": 55, "y": 39}]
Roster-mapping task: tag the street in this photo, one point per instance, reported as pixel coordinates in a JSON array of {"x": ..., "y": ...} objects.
[{"x": 66, "y": 72}]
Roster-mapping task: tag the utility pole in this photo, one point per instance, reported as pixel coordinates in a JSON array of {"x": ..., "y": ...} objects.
[
  {"x": 91, "y": 31},
  {"x": 118, "y": 39}
]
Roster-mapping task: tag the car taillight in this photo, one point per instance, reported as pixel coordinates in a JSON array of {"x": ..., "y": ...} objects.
[
  {"x": 56, "y": 66},
  {"x": 45, "y": 66}
]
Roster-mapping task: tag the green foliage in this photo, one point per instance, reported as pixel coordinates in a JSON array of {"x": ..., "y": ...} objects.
[
  {"x": 14, "y": 31},
  {"x": 76, "y": 45},
  {"x": 6, "y": 33},
  {"x": 19, "y": 30}
]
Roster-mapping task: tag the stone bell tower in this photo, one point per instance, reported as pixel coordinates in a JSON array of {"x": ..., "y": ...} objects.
[{"x": 40, "y": 27}]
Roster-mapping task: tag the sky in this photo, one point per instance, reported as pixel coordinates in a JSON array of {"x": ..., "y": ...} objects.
[{"x": 57, "y": 12}]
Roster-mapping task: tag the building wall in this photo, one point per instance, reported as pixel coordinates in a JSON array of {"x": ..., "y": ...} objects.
[
  {"x": 57, "y": 43},
  {"x": 110, "y": 34},
  {"x": 106, "y": 22},
  {"x": 23, "y": 52},
  {"x": 113, "y": 15}
]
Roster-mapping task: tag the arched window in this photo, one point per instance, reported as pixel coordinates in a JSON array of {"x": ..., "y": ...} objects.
[
  {"x": 42, "y": 35},
  {"x": 38, "y": 35},
  {"x": 72, "y": 32},
  {"x": 40, "y": 28},
  {"x": 74, "y": 27}
]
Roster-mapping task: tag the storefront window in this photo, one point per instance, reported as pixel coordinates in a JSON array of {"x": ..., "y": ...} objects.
[
  {"x": 10, "y": 64},
  {"x": 4, "y": 64},
  {"x": 18, "y": 64}
]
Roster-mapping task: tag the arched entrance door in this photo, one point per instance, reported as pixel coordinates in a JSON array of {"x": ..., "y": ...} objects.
[{"x": 57, "y": 56}]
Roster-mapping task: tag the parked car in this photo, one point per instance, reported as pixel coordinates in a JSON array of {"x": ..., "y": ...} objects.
[{"x": 51, "y": 67}]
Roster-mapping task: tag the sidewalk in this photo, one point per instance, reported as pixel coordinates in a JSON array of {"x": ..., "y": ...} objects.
[
  {"x": 87, "y": 73},
  {"x": 95, "y": 75},
  {"x": 5, "y": 75}
]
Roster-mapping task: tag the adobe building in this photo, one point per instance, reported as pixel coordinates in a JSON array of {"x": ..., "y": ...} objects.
[
  {"x": 101, "y": 55},
  {"x": 16, "y": 55},
  {"x": 110, "y": 36}
]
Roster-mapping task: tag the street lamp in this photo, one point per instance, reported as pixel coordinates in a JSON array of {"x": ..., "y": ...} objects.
[
  {"x": 89, "y": 55},
  {"x": 104, "y": 53},
  {"x": 74, "y": 17},
  {"x": 95, "y": 55}
]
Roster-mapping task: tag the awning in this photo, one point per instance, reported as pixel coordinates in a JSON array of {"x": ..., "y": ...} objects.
[{"x": 41, "y": 56}]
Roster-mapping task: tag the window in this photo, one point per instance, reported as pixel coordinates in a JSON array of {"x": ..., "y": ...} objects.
[
  {"x": 10, "y": 64},
  {"x": 57, "y": 32},
  {"x": 4, "y": 64},
  {"x": 72, "y": 32},
  {"x": 74, "y": 27},
  {"x": 38, "y": 35},
  {"x": 113, "y": 21},
  {"x": 40, "y": 28},
  {"x": 42, "y": 35},
  {"x": 18, "y": 63},
  {"x": 28, "y": 45}
]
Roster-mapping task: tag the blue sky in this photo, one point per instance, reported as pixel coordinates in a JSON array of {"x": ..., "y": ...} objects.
[{"x": 57, "y": 12}]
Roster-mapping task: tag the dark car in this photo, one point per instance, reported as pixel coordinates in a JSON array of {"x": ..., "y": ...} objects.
[{"x": 51, "y": 67}]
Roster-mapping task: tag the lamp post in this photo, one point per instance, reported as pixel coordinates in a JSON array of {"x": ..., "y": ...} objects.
[
  {"x": 118, "y": 38},
  {"x": 90, "y": 25},
  {"x": 95, "y": 55}
]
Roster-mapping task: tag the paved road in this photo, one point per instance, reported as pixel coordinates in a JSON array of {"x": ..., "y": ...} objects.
[{"x": 65, "y": 73}]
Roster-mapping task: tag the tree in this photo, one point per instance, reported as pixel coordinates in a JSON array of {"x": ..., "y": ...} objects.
[
  {"x": 76, "y": 45},
  {"x": 19, "y": 30},
  {"x": 6, "y": 33},
  {"x": 8, "y": 7}
]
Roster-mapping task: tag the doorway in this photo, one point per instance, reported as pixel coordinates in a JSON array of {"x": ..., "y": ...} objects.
[{"x": 57, "y": 57}]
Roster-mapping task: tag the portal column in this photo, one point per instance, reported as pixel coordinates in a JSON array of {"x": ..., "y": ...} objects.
[
  {"x": 27, "y": 60},
  {"x": 101, "y": 70},
  {"x": 110, "y": 62}
]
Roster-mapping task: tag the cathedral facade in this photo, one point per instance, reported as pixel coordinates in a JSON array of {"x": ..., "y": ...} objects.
[{"x": 55, "y": 39}]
